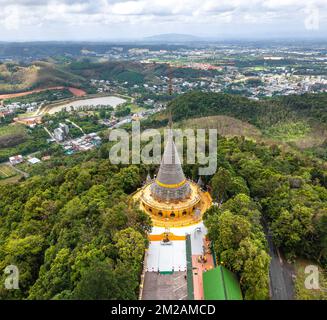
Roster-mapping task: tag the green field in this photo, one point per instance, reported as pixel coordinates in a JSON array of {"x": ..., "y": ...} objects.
[
  {"x": 12, "y": 135},
  {"x": 10, "y": 129},
  {"x": 288, "y": 131},
  {"x": 6, "y": 171},
  {"x": 135, "y": 108}
]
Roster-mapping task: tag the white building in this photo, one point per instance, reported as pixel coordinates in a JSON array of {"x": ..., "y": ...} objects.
[
  {"x": 16, "y": 159},
  {"x": 61, "y": 133},
  {"x": 34, "y": 160}
]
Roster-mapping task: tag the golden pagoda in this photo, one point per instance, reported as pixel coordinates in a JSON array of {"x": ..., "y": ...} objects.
[{"x": 171, "y": 199}]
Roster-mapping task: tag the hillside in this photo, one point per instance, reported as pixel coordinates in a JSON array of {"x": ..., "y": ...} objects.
[
  {"x": 132, "y": 72},
  {"x": 17, "y": 78},
  {"x": 71, "y": 215},
  {"x": 225, "y": 125},
  {"x": 57, "y": 228},
  {"x": 299, "y": 121}
]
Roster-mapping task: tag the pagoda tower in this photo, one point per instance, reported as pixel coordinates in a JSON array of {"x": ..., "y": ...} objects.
[
  {"x": 171, "y": 199},
  {"x": 170, "y": 184}
]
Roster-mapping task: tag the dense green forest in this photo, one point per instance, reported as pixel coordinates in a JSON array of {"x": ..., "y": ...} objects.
[
  {"x": 71, "y": 218},
  {"x": 71, "y": 233},
  {"x": 256, "y": 181},
  {"x": 261, "y": 113}
]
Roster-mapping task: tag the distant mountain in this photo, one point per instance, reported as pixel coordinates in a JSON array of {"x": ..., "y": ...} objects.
[{"x": 172, "y": 37}]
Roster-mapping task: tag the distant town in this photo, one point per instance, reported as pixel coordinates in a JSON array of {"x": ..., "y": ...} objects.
[{"x": 136, "y": 86}]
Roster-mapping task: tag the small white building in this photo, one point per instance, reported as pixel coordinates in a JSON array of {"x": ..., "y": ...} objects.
[
  {"x": 34, "y": 160},
  {"x": 16, "y": 159}
]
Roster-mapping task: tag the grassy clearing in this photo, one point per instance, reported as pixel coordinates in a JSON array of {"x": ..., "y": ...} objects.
[
  {"x": 6, "y": 171},
  {"x": 302, "y": 293},
  {"x": 288, "y": 131},
  {"x": 11, "y": 129},
  {"x": 13, "y": 179},
  {"x": 12, "y": 135},
  {"x": 135, "y": 108},
  {"x": 226, "y": 126}
]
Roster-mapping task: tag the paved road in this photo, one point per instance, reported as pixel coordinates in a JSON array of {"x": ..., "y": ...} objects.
[{"x": 280, "y": 272}]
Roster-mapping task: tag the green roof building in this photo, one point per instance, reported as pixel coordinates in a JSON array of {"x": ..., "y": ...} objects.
[{"x": 221, "y": 284}]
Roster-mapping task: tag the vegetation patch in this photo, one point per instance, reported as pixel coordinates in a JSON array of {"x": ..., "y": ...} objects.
[
  {"x": 303, "y": 293},
  {"x": 226, "y": 126},
  {"x": 12, "y": 135},
  {"x": 288, "y": 131},
  {"x": 6, "y": 171},
  {"x": 46, "y": 95}
]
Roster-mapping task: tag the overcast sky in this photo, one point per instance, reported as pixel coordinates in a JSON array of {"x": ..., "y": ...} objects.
[{"x": 123, "y": 19}]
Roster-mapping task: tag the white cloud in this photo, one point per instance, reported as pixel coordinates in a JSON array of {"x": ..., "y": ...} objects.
[
  {"x": 186, "y": 15},
  {"x": 12, "y": 18}
]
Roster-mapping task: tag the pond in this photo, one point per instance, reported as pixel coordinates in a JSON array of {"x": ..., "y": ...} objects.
[{"x": 92, "y": 102}]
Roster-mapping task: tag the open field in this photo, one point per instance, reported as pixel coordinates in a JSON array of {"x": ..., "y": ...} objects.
[
  {"x": 10, "y": 180},
  {"x": 135, "y": 108},
  {"x": 225, "y": 125},
  {"x": 12, "y": 135},
  {"x": 10, "y": 129},
  {"x": 6, "y": 171}
]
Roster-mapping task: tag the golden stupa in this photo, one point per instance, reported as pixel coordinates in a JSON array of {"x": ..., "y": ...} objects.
[{"x": 170, "y": 199}]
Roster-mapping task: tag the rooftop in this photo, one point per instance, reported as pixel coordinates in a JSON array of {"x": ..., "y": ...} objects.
[{"x": 221, "y": 284}]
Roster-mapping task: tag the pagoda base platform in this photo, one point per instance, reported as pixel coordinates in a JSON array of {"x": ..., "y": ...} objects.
[{"x": 177, "y": 214}]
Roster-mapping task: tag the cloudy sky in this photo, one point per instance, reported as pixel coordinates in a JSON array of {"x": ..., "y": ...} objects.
[{"x": 133, "y": 19}]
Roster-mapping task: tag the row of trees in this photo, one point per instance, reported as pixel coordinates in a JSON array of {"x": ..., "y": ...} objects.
[{"x": 240, "y": 243}]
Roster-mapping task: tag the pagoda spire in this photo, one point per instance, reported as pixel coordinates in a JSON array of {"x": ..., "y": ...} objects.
[{"x": 170, "y": 183}]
